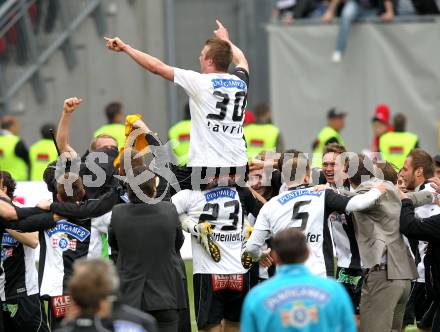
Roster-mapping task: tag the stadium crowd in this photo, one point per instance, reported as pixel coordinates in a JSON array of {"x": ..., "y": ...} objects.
[{"x": 277, "y": 245}]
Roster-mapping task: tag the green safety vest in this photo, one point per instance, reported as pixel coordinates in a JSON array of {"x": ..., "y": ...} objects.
[
  {"x": 395, "y": 146},
  {"x": 41, "y": 154},
  {"x": 260, "y": 137},
  {"x": 324, "y": 135},
  {"x": 116, "y": 130},
  {"x": 9, "y": 162},
  {"x": 179, "y": 135}
]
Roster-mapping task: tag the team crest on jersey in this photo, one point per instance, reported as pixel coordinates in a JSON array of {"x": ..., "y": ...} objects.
[
  {"x": 220, "y": 193},
  {"x": 6, "y": 253},
  {"x": 297, "y": 193},
  {"x": 65, "y": 227},
  {"x": 299, "y": 315},
  {"x": 64, "y": 243},
  {"x": 337, "y": 217}
]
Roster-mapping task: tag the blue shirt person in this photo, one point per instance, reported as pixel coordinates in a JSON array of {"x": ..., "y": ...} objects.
[{"x": 294, "y": 299}]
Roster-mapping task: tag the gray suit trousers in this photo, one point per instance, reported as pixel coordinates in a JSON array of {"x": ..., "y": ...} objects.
[{"x": 383, "y": 303}]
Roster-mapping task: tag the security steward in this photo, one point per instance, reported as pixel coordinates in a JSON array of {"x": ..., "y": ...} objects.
[
  {"x": 262, "y": 135},
  {"x": 115, "y": 127},
  {"x": 14, "y": 155},
  {"x": 328, "y": 134},
  {"x": 179, "y": 137},
  {"x": 395, "y": 146},
  {"x": 42, "y": 152}
]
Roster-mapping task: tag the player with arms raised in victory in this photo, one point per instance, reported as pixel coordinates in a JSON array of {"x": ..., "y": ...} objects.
[{"x": 217, "y": 103}]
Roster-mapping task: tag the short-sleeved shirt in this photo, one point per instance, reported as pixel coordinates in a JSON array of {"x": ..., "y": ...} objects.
[{"x": 217, "y": 103}]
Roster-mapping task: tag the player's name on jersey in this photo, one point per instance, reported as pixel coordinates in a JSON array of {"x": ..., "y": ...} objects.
[
  {"x": 298, "y": 193},
  {"x": 225, "y": 128},
  {"x": 221, "y": 237},
  {"x": 228, "y": 84},
  {"x": 311, "y": 238},
  {"x": 220, "y": 193}
]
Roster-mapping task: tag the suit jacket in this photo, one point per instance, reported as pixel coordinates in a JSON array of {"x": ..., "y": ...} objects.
[
  {"x": 147, "y": 238},
  {"x": 377, "y": 233}
]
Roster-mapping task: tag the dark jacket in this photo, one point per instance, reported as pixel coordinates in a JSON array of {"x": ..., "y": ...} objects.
[
  {"x": 147, "y": 237},
  {"x": 427, "y": 229}
]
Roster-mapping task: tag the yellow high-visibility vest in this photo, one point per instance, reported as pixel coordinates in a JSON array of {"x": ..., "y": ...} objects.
[
  {"x": 41, "y": 154},
  {"x": 260, "y": 137},
  {"x": 179, "y": 135},
  {"x": 116, "y": 130},
  {"x": 324, "y": 135},
  {"x": 395, "y": 147},
  {"x": 9, "y": 162}
]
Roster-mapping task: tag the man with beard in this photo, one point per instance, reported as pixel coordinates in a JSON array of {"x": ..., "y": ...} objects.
[{"x": 417, "y": 169}]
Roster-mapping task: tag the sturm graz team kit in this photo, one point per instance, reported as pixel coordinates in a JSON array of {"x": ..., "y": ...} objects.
[
  {"x": 217, "y": 104},
  {"x": 304, "y": 209},
  {"x": 62, "y": 243},
  {"x": 219, "y": 287}
]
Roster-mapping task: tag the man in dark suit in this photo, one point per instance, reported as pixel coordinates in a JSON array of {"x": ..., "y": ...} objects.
[{"x": 148, "y": 237}]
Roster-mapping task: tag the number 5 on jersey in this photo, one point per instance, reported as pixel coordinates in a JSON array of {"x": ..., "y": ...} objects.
[{"x": 300, "y": 215}]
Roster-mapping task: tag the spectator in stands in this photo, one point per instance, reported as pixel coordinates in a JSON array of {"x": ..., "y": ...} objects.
[
  {"x": 42, "y": 152},
  {"x": 114, "y": 127},
  {"x": 14, "y": 155},
  {"x": 380, "y": 124},
  {"x": 262, "y": 135},
  {"x": 288, "y": 10},
  {"x": 437, "y": 165},
  {"x": 395, "y": 146},
  {"x": 353, "y": 10}
]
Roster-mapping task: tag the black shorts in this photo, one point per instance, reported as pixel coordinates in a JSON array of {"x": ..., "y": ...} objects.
[
  {"x": 24, "y": 314},
  {"x": 417, "y": 305},
  {"x": 218, "y": 297},
  {"x": 351, "y": 279},
  {"x": 190, "y": 177}
]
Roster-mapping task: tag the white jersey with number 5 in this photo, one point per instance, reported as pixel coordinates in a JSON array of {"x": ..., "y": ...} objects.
[
  {"x": 304, "y": 210},
  {"x": 221, "y": 207},
  {"x": 217, "y": 104}
]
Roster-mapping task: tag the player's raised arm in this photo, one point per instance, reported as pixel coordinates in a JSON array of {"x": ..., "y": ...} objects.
[
  {"x": 63, "y": 132},
  {"x": 150, "y": 63},
  {"x": 238, "y": 57}
]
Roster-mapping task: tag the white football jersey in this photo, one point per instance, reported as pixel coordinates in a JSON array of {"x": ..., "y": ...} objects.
[
  {"x": 304, "y": 210},
  {"x": 217, "y": 104},
  {"x": 421, "y": 212},
  {"x": 221, "y": 207}
]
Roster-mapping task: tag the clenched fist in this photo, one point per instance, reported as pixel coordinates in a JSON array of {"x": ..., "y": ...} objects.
[
  {"x": 71, "y": 104},
  {"x": 115, "y": 44}
]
